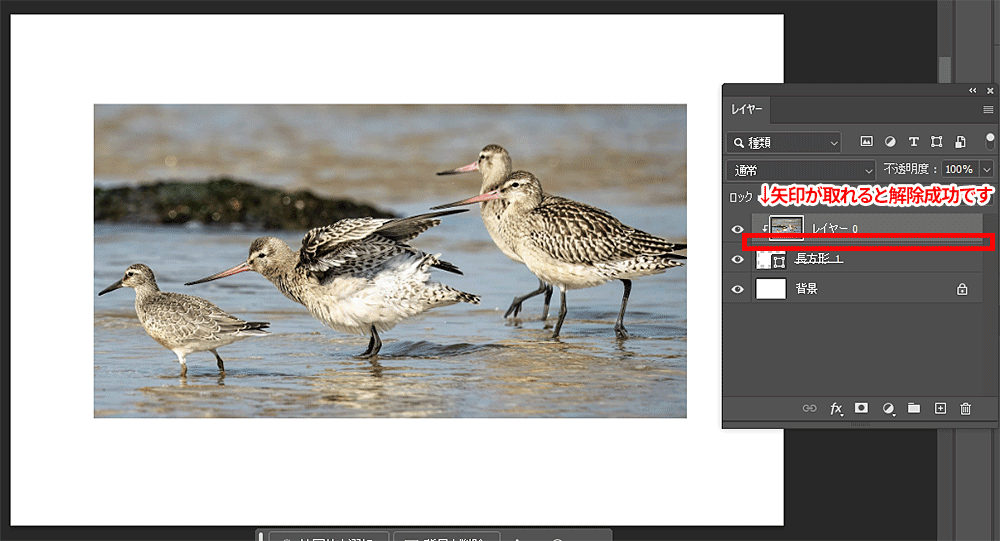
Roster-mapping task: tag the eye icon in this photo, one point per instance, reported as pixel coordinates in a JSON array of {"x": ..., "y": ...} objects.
[{"x": 737, "y": 289}]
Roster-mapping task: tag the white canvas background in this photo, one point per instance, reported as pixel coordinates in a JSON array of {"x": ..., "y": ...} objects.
[{"x": 69, "y": 468}]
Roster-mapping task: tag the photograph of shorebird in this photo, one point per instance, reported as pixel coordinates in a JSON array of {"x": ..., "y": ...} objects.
[{"x": 403, "y": 286}]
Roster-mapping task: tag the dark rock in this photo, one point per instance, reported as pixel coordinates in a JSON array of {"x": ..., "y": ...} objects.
[{"x": 224, "y": 201}]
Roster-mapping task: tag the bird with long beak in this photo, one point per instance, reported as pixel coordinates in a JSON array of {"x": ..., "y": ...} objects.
[
  {"x": 183, "y": 324},
  {"x": 358, "y": 275},
  {"x": 495, "y": 164},
  {"x": 573, "y": 245}
]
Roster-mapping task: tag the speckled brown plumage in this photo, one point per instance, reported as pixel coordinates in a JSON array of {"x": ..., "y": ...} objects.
[
  {"x": 573, "y": 245},
  {"x": 358, "y": 275},
  {"x": 181, "y": 323},
  {"x": 495, "y": 164},
  {"x": 579, "y": 233},
  {"x": 359, "y": 245}
]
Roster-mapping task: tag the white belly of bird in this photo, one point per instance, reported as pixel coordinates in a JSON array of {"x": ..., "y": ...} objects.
[
  {"x": 580, "y": 275},
  {"x": 352, "y": 304}
]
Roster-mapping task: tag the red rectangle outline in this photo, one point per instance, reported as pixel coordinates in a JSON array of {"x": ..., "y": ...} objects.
[{"x": 870, "y": 248}]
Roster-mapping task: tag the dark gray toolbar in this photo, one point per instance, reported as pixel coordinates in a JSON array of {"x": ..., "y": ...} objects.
[{"x": 472, "y": 534}]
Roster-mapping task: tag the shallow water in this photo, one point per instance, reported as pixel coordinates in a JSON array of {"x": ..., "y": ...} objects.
[{"x": 456, "y": 361}]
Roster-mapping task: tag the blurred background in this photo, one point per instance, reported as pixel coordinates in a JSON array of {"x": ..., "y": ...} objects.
[
  {"x": 389, "y": 154},
  {"x": 457, "y": 361}
]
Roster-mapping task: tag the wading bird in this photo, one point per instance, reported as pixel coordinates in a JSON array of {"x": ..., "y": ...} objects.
[
  {"x": 573, "y": 245},
  {"x": 358, "y": 275},
  {"x": 183, "y": 324}
]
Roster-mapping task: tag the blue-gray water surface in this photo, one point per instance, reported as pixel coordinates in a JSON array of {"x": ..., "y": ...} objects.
[{"x": 456, "y": 361}]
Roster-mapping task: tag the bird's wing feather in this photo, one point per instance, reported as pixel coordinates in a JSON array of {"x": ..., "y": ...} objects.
[
  {"x": 405, "y": 229},
  {"x": 579, "y": 233},
  {"x": 186, "y": 317},
  {"x": 355, "y": 244},
  {"x": 324, "y": 248}
]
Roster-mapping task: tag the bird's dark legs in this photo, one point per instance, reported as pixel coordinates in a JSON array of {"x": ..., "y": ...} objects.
[
  {"x": 183, "y": 360},
  {"x": 548, "y": 297},
  {"x": 374, "y": 344},
  {"x": 619, "y": 326},
  {"x": 218, "y": 361},
  {"x": 515, "y": 305},
  {"x": 562, "y": 313}
]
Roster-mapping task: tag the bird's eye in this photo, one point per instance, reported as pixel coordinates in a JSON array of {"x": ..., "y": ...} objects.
[
  {"x": 260, "y": 255},
  {"x": 130, "y": 273},
  {"x": 515, "y": 185},
  {"x": 481, "y": 158}
]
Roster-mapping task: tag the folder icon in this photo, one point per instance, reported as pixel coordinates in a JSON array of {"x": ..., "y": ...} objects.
[{"x": 912, "y": 407}]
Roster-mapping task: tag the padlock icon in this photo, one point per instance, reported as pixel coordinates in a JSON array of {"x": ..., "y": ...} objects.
[{"x": 962, "y": 290}]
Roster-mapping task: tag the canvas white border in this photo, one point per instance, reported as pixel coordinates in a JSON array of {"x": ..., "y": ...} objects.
[{"x": 309, "y": 471}]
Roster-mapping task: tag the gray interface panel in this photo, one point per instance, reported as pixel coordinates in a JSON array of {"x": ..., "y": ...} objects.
[
  {"x": 859, "y": 256},
  {"x": 449, "y": 534}
]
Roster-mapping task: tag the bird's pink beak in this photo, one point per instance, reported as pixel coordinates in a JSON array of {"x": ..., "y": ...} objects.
[
  {"x": 245, "y": 266},
  {"x": 474, "y": 166},
  {"x": 495, "y": 194}
]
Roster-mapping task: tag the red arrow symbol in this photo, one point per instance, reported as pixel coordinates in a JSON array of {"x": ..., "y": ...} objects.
[{"x": 763, "y": 194}]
